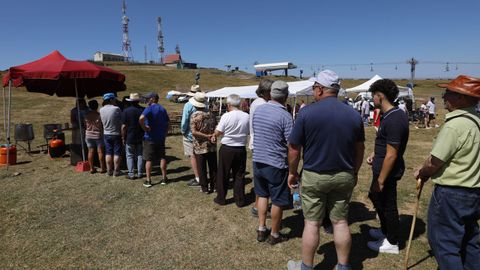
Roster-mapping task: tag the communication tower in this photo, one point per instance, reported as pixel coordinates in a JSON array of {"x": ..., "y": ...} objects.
[
  {"x": 126, "y": 48},
  {"x": 161, "y": 49}
]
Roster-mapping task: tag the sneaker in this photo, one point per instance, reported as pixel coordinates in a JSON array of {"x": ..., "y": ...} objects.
[
  {"x": 376, "y": 233},
  {"x": 130, "y": 177},
  {"x": 193, "y": 183},
  {"x": 275, "y": 240},
  {"x": 383, "y": 246},
  {"x": 294, "y": 265},
  {"x": 110, "y": 173},
  {"x": 116, "y": 173},
  {"x": 163, "y": 182},
  {"x": 262, "y": 235},
  {"x": 437, "y": 126},
  {"x": 147, "y": 183}
]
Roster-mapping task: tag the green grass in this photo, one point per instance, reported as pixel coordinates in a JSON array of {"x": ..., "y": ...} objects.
[{"x": 53, "y": 217}]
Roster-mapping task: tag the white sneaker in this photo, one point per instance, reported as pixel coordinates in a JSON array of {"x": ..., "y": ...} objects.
[
  {"x": 383, "y": 246},
  {"x": 294, "y": 265},
  {"x": 376, "y": 233}
]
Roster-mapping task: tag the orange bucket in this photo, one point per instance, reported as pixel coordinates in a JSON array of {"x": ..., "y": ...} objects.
[{"x": 12, "y": 154}]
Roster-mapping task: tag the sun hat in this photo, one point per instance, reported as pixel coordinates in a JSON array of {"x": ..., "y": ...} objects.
[
  {"x": 279, "y": 90},
  {"x": 151, "y": 95},
  {"x": 108, "y": 96},
  {"x": 327, "y": 78},
  {"x": 133, "y": 97},
  {"x": 198, "y": 100},
  {"x": 193, "y": 89},
  {"x": 464, "y": 85}
]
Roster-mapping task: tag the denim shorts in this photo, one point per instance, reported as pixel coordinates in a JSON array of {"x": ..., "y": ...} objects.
[
  {"x": 113, "y": 145},
  {"x": 94, "y": 143},
  {"x": 271, "y": 182}
]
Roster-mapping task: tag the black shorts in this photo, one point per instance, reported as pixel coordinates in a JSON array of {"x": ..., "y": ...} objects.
[
  {"x": 153, "y": 150},
  {"x": 431, "y": 116}
]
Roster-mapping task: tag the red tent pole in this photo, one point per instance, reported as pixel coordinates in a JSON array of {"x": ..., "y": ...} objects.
[
  {"x": 4, "y": 113},
  {"x": 79, "y": 122}
]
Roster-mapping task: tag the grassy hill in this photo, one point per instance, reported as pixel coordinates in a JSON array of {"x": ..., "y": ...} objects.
[{"x": 55, "y": 218}]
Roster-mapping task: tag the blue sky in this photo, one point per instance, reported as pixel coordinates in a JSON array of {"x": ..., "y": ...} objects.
[{"x": 311, "y": 34}]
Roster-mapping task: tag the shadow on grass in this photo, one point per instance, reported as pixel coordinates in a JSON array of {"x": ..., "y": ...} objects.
[
  {"x": 358, "y": 212},
  {"x": 405, "y": 225}
]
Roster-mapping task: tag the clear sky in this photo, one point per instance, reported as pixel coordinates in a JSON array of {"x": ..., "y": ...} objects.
[{"x": 311, "y": 34}]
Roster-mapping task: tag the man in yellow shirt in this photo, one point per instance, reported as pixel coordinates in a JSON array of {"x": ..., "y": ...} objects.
[{"x": 454, "y": 166}]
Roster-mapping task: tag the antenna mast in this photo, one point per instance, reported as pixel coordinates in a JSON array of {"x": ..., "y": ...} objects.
[
  {"x": 161, "y": 49},
  {"x": 126, "y": 48}
]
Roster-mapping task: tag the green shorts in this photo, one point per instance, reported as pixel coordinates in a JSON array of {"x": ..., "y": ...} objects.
[{"x": 331, "y": 191}]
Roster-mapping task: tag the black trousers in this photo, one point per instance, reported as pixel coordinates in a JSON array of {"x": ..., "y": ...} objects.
[
  {"x": 210, "y": 159},
  {"x": 231, "y": 158},
  {"x": 385, "y": 204}
]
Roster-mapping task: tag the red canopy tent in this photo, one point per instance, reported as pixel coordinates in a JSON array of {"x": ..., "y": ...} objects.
[{"x": 55, "y": 74}]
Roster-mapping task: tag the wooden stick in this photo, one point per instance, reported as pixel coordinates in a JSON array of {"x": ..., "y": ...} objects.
[{"x": 412, "y": 228}]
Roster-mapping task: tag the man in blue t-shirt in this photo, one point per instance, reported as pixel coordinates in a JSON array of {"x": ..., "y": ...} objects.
[
  {"x": 155, "y": 122},
  {"x": 132, "y": 136},
  {"x": 388, "y": 165},
  {"x": 332, "y": 136}
]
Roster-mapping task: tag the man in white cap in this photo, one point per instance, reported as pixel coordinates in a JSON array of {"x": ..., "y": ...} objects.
[
  {"x": 332, "y": 137},
  {"x": 132, "y": 136},
  {"x": 188, "y": 110}
]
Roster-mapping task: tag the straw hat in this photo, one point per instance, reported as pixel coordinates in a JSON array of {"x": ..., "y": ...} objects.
[
  {"x": 193, "y": 89},
  {"x": 198, "y": 100},
  {"x": 133, "y": 97}
]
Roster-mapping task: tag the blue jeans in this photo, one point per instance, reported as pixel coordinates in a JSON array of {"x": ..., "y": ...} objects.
[
  {"x": 134, "y": 152},
  {"x": 452, "y": 228}
]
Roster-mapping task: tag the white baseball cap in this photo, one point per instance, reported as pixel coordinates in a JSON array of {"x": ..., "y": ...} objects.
[{"x": 327, "y": 78}]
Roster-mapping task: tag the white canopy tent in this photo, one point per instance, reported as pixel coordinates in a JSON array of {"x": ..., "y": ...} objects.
[
  {"x": 298, "y": 88},
  {"x": 362, "y": 89}
]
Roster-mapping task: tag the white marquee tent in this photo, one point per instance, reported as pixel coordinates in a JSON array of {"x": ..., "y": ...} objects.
[
  {"x": 298, "y": 88},
  {"x": 363, "y": 88}
]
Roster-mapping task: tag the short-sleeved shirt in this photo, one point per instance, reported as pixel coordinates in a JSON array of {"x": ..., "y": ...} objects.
[
  {"x": 458, "y": 145},
  {"x": 157, "y": 119},
  {"x": 328, "y": 131},
  {"x": 130, "y": 119},
  {"x": 188, "y": 110},
  {"x": 235, "y": 128},
  {"x": 205, "y": 123},
  {"x": 272, "y": 125},
  {"x": 431, "y": 107},
  {"x": 393, "y": 130},
  {"x": 93, "y": 125},
  {"x": 111, "y": 119},
  {"x": 257, "y": 102}
]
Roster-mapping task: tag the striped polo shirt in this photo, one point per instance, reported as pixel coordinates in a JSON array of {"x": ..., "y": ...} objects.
[{"x": 272, "y": 125}]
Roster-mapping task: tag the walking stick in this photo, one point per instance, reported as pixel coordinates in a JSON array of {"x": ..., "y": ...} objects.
[{"x": 419, "y": 192}]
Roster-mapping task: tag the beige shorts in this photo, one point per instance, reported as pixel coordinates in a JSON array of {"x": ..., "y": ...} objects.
[
  {"x": 331, "y": 191},
  {"x": 187, "y": 147}
]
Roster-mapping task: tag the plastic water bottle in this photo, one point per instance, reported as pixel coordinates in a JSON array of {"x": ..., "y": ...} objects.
[{"x": 297, "y": 200}]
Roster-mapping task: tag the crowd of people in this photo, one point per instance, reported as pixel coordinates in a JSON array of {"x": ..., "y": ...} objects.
[{"x": 329, "y": 136}]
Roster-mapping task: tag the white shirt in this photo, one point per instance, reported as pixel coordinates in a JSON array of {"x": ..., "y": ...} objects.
[
  {"x": 235, "y": 128},
  {"x": 257, "y": 102},
  {"x": 365, "y": 107},
  {"x": 431, "y": 107},
  {"x": 403, "y": 107}
]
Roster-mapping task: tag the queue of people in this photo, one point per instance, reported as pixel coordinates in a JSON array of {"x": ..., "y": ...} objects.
[{"x": 329, "y": 136}]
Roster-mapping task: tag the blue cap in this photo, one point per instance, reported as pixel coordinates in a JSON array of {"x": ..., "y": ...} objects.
[{"x": 108, "y": 96}]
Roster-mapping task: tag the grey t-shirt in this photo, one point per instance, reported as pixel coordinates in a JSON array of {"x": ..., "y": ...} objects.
[{"x": 111, "y": 119}]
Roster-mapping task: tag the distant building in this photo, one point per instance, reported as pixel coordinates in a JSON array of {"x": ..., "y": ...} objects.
[
  {"x": 262, "y": 69},
  {"x": 175, "y": 60},
  {"x": 110, "y": 57}
]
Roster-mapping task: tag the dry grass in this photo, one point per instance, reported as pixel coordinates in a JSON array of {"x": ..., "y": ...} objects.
[{"x": 53, "y": 217}]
